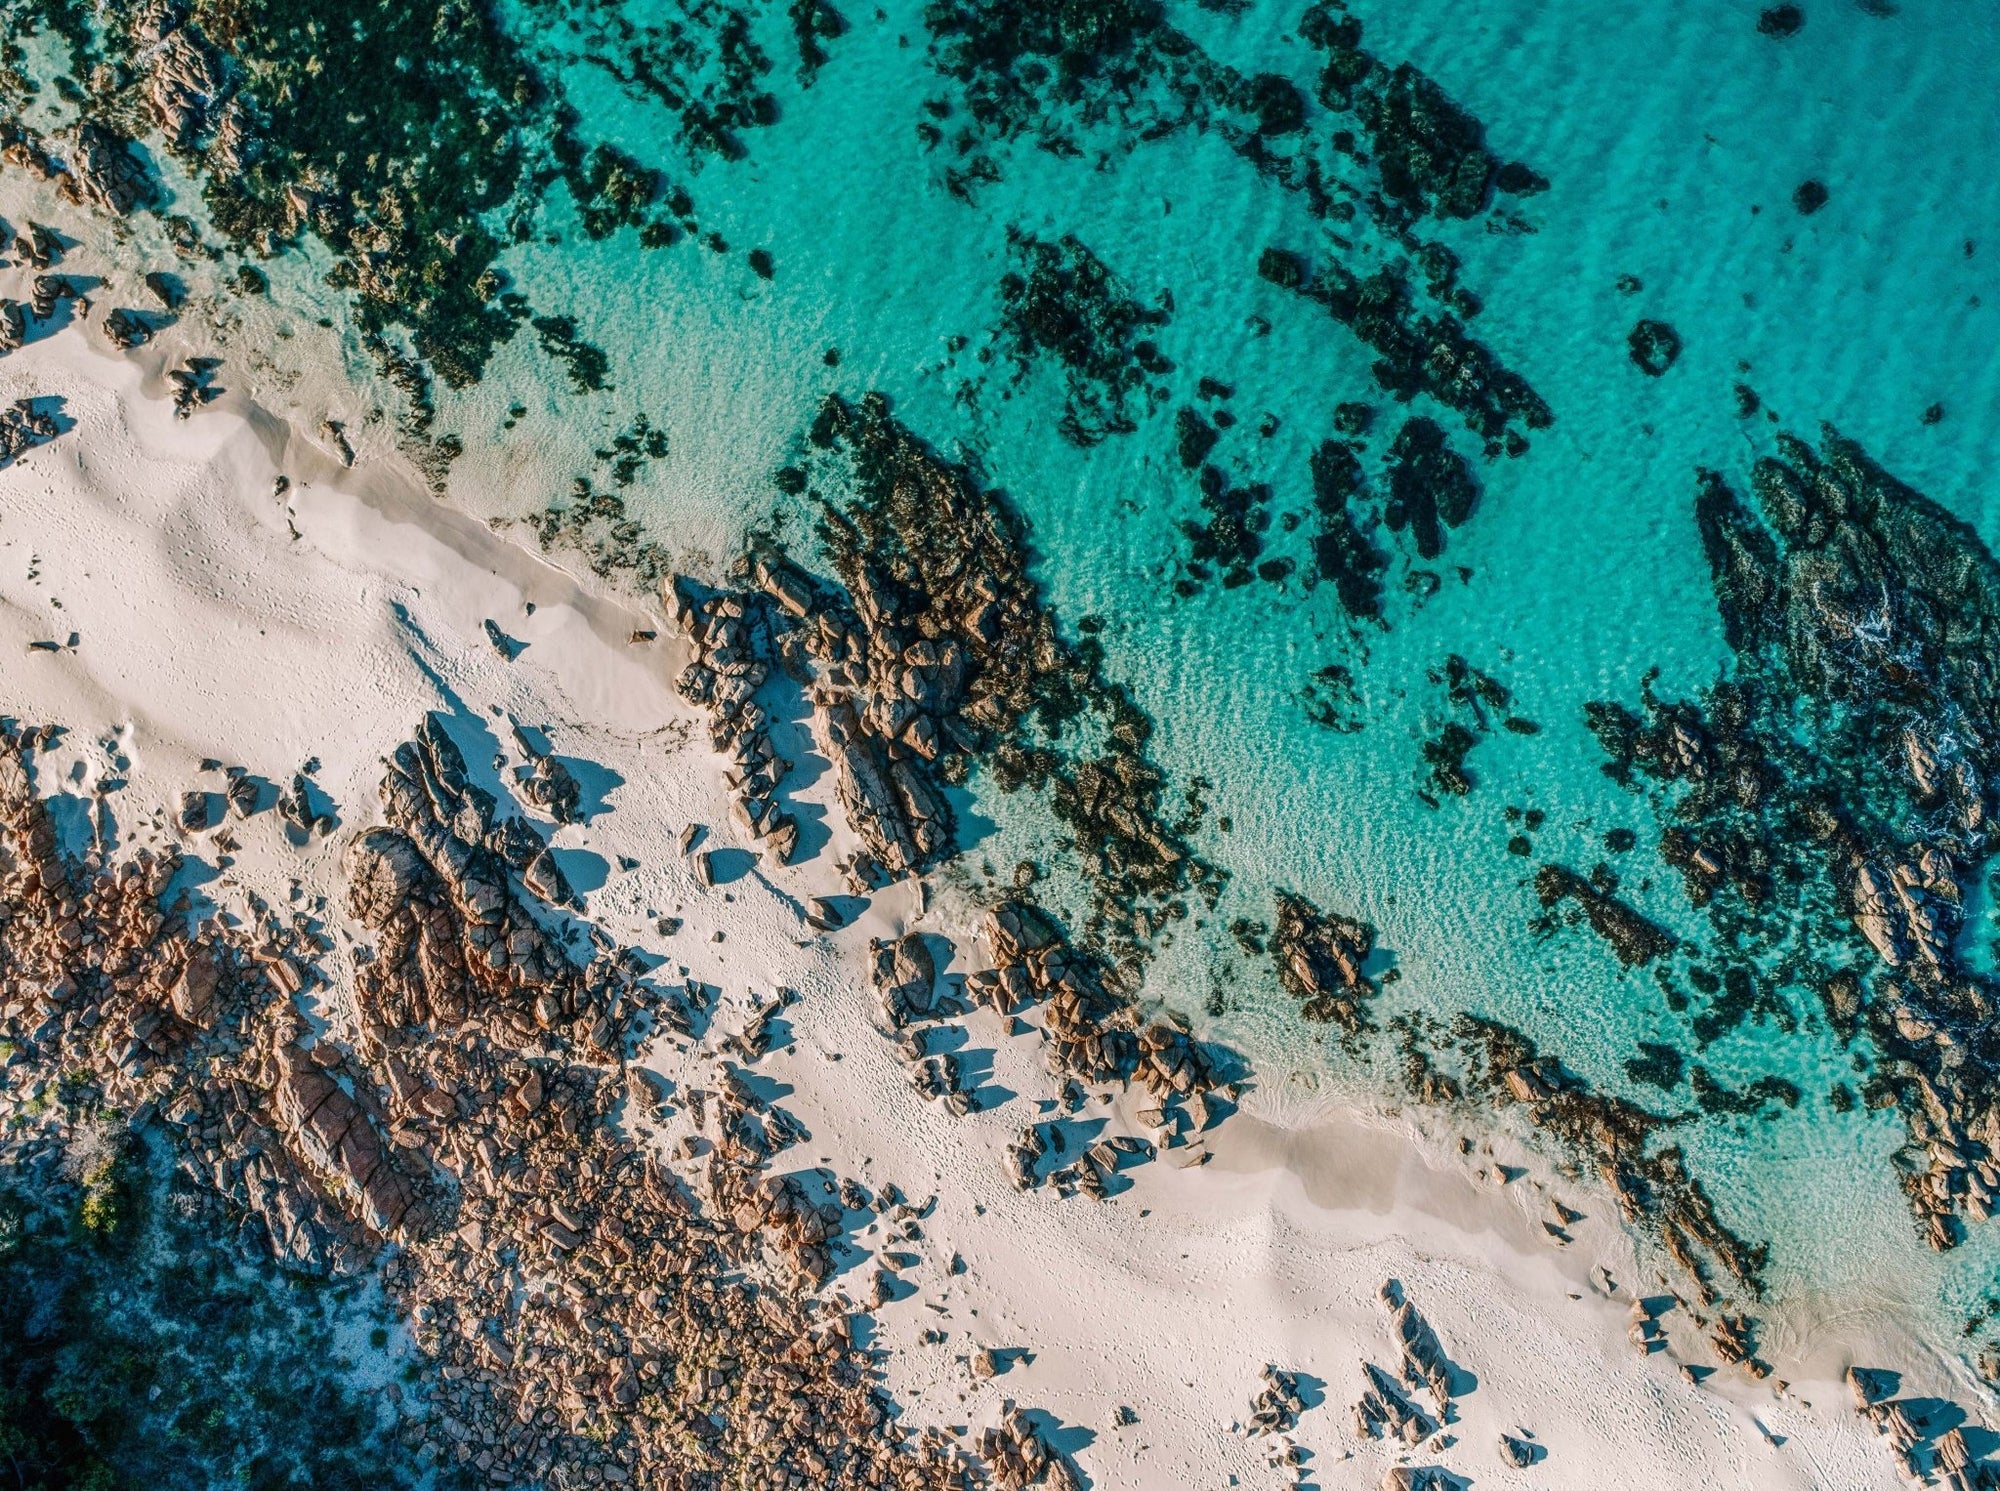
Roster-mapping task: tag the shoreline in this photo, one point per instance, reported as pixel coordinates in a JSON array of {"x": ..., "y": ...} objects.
[{"x": 355, "y": 529}]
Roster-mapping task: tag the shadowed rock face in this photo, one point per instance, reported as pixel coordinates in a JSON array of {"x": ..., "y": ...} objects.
[
  {"x": 1834, "y": 795},
  {"x": 103, "y": 171}
]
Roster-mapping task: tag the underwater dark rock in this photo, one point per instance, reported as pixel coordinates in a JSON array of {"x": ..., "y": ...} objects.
[
  {"x": 1429, "y": 484},
  {"x": 1420, "y": 353},
  {"x": 1061, "y": 301},
  {"x": 1634, "y": 938},
  {"x": 1781, "y": 21},
  {"x": 1654, "y": 346},
  {"x": 1342, "y": 552}
]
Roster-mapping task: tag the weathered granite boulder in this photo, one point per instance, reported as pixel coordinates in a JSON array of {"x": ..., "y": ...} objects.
[{"x": 1320, "y": 956}]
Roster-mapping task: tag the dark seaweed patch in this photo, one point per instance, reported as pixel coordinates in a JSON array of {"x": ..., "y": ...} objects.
[{"x": 1061, "y": 301}]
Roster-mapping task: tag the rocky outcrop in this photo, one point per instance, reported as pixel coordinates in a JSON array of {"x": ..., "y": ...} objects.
[
  {"x": 1423, "y": 1361},
  {"x": 23, "y": 427},
  {"x": 330, "y": 1132},
  {"x": 1835, "y": 793},
  {"x": 731, "y": 634},
  {"x": 905, "y": 978},
  {"x": 186, "y": 87},
  {"x": 1320, "y": 957},
  {"x": 126, "y": 329},
  {"x": 1384, "y": 1408},
  {"x": 102, "y": 172},
  {"x": 445, "y": 887},
  {"x": 943, "y": 652}
]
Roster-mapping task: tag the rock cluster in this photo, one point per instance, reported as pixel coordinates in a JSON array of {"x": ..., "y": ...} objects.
[
  {"x": 1418, "y": 352},
  {"x": 101, "y": 981},
  {"x": 1385, "y": 1406},
  {"x": 126, "y": 329},
  {"x": 1061, "y": 301},
  {"x": 1090, "y": 1036},
  {"x": 23, "y": 427},
  {"x": 1923, "y": 1455},
  {"x": 38, "y": 247},
  {"x": 1018, "y": 1456},
  {"x": 466, "y": 1141},
  {"x": 1343, "y": 553},
  {"x": 1277, "y": 1406},
  {"x": 1430, "y": 484},
  {"x": 730, "y": 633},
  {"x": 1421, "y": 1358},
  {"x": 1654, "y": 347},
  {"x": 1320, "y": 957},
  {"x": 186, "y": 89}
]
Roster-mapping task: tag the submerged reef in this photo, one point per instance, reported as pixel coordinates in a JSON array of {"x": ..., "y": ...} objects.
[
  {"x": 417, "y": 187},
  {"x": 1061, "y": 301},
  {"x": 1828, "y": 803},
  {"x": 1057, "y": 75},
  {"x": 1419, "y": 353}
]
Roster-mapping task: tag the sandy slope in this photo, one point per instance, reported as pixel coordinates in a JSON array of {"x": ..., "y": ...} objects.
[{"x": 216, "y": 619}]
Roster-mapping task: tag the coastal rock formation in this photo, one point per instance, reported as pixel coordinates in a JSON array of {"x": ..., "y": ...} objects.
[
  {"x": 478, "y": 1142},
  {"x": 1418, "y": 352},
  {"x": 1344, "y": 555},
  {"x": 1320, "y": 956},
  {"x": 455, "y": 937},
  {"x": 934, "y": 650},
  {"x": 1654, "y": 346},
  {"x": 1061, "y": 301},
  {"x": 1836, "y": 792},
  {"x": 1422, "y": 1360},
  {"x": 1653, "y": 1187},
  {"x": 23, "y": 427},
  {"x": 905, "y": 976}
]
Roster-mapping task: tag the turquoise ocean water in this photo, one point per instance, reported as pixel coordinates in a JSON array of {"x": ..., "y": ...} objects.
[{"x": 1673, "y": 138}]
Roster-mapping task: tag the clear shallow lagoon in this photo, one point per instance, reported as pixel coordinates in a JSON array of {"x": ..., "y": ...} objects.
[{"x": 1673, "y": 138}]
